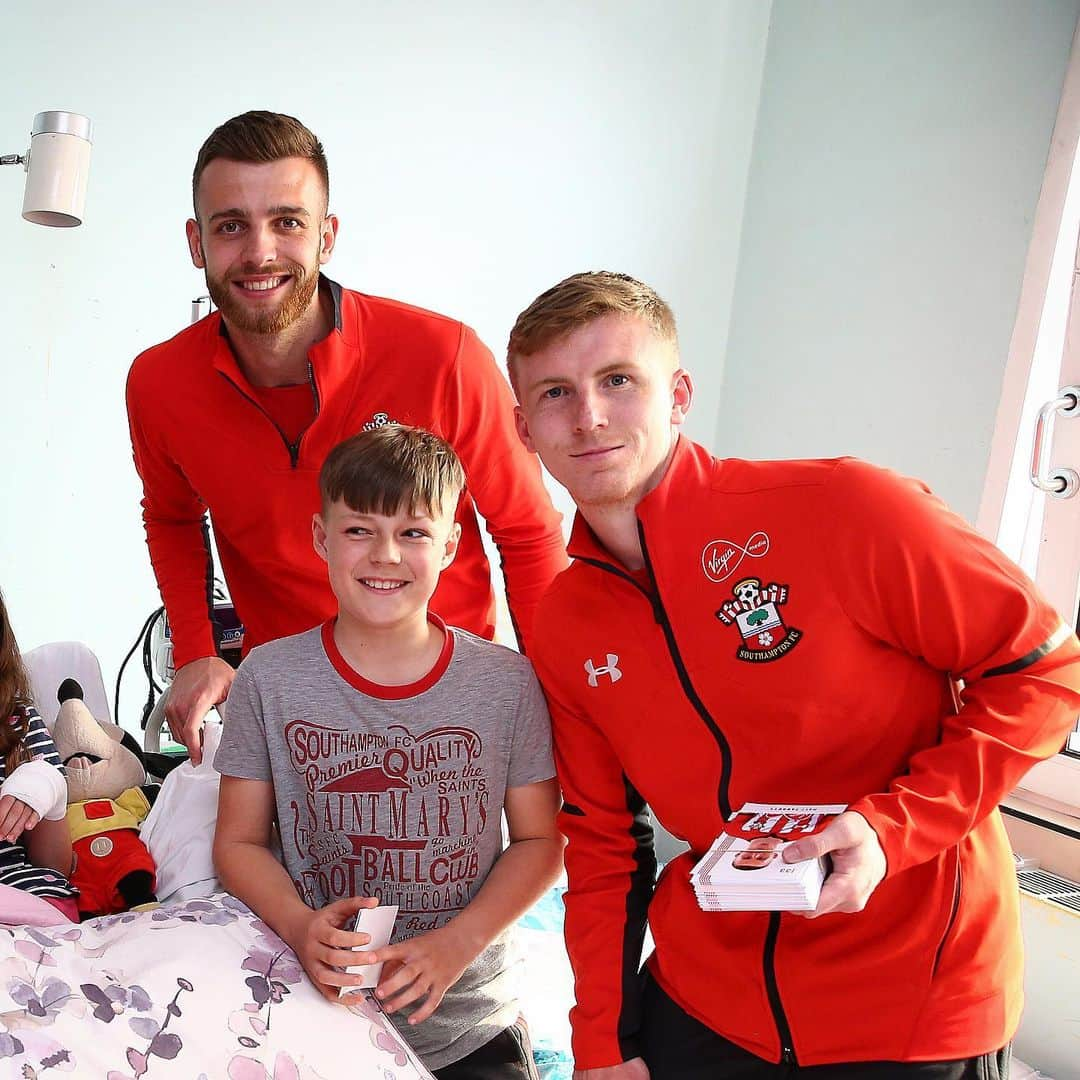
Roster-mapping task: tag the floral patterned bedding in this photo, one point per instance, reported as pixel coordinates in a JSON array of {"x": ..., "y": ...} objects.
[{"x": 201, "y": 990}]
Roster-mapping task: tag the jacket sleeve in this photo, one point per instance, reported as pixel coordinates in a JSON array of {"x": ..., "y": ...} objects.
[
  {"x": 918, "y": 578},
  {"x": 611, "y": 870},
  {"x": 504, "y": 480},
  {"x": 176, "y": 529}
]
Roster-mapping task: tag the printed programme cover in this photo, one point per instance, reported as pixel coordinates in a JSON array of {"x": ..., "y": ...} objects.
[{"x": 743, "y": 869}]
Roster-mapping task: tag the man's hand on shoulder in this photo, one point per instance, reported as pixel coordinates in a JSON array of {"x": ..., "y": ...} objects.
[
  {"x": 196, "y": 688},
  {"x": 634, "y": 1069},
  {"x": 858, "y": 863}
]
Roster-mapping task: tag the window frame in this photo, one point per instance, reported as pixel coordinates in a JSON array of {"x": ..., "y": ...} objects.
[{"x": 1055, "y": 783}]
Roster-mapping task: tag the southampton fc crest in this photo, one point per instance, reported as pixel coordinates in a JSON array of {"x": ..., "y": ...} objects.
[
  {"x": 380, "y": 419},
  {"x": 755, "y": 610}
]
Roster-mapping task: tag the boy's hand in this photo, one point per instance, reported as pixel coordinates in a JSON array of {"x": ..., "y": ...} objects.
[
  {"x": 324, "y": 945},
  {"x": 858, "y": 863},
  {"x": 425, "y": 966},
  {"x": 15, "y": 818}
]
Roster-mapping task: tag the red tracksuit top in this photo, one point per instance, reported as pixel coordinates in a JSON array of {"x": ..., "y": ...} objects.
[
  {"x": 201, "y": 441},
  {"x": 867, "y": 600}
]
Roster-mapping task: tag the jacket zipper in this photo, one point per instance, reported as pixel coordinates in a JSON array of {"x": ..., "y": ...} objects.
[
  {"x": 722, "y": 798},
  {"x": 783, "y": 1030},
  {"x": 957, "y": 888},
  {"x": 292, "y": 448},
  {"x": 315, "y": 396}
]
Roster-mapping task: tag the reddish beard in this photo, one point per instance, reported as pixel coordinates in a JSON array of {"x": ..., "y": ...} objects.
[{"x": 236, "y": 313}]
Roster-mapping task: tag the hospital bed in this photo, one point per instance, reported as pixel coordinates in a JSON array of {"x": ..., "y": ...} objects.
[{"x": 200, "y": 987}]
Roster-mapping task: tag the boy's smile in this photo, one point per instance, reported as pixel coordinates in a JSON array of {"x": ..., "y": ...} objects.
[{"x": 383, "y": 568}]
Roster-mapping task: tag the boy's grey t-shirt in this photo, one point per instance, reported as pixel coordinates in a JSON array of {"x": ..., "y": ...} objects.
[{"x": 396, "y": 792}]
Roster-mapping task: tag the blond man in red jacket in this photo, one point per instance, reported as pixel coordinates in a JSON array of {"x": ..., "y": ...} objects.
[
  {"x": 881, "y": 604},
  {"x": 236, "y": 414}
]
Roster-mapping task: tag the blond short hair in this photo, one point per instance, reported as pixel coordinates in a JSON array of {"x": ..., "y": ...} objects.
[
  {"x": 580, "y": 299},
  {"x": 390, "y": 468}
]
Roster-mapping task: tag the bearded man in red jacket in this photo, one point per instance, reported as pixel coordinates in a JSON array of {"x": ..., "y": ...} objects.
[{"x": 235, "y": 415}]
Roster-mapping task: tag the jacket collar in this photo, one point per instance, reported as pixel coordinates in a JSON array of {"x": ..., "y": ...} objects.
[
  {"x": 686, "y": 461},
  {"x": 333, "y": 359}
]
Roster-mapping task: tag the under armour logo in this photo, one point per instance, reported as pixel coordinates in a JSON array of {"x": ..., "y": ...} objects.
[{"x": 610, "y": 670}]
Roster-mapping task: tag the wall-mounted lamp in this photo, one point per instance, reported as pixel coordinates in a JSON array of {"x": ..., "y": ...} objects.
[{"x": 57, "y": 166}]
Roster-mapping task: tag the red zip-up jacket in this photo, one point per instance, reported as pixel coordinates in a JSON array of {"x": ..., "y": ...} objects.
[
  {"x": 201, "y": 440},
  {"x": 796, "y": 638}
]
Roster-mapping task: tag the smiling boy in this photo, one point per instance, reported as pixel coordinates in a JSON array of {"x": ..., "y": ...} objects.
[{"x": 387, "y": 746}]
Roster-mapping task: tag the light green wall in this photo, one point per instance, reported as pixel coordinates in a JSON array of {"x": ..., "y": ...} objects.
[{"x": 897, "y": 162}]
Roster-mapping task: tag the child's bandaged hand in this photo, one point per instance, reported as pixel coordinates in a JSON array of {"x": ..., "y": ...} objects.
[
  {"x": 39, "y": 785},
  {"x": 15, "y": 818},
  {"x": 424, "y": 967},
  {"x": 325, "y": 945}
]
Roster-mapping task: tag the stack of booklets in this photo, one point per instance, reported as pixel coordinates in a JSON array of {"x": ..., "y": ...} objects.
[{"x": 744, "y": 870}]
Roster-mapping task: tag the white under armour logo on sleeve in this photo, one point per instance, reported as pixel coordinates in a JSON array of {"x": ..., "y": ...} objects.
[{"x": 610, "y": 670}]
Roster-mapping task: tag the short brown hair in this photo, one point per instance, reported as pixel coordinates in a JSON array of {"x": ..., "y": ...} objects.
[
  {"x": 580, "y": 299},
  {"x": 392, "y": 467},
  {"x": 260, "y": 136}
]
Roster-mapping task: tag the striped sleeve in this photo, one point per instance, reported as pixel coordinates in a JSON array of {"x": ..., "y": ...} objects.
[
  {"x": 18, "y": 873},
  {"x": 38, "y": 741},
  {"x": 15, "y": 869}
]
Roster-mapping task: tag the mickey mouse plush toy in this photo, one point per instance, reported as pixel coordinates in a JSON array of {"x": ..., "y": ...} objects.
[{"x": 108, "y": 798}]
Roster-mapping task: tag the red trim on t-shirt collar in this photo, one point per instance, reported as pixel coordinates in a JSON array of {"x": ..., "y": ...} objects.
[{"x": 378, "y": 690}]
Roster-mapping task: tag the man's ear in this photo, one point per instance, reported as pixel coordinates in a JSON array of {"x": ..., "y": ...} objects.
[
  {"x": 682, "y": 393},
  {"x": 522, "y": 426},
  {"x": 318, "y": 536},
  {"x": 327, "y": 238},
  {"x": 194, "y": 241},
  {"x": 452, "y": 542}
]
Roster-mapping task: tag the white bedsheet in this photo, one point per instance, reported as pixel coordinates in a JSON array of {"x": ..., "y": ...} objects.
[{"x": 201, "y": 989}]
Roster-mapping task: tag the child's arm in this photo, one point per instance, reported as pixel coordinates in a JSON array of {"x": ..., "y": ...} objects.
[
  {"x": 429, "y": 964},
  {"x": 48, "y": 843},
  {"x": 35, "y": 789},
  {"x": 248, "y": 869}
]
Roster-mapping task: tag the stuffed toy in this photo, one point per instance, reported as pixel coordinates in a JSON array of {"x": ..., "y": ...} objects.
[{"x": 108, "y": 798}]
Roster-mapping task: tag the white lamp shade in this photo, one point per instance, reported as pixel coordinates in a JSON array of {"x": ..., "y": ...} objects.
[{"x": 57, "y": 169}]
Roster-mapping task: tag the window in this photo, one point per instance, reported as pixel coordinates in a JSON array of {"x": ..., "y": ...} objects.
[{"x": 1042, "y": 532}]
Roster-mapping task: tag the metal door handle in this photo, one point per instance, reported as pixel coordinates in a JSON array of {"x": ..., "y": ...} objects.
[{"x": 1063, "y": 482}]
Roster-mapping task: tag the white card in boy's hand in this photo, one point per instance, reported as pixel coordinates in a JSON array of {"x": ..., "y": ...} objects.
[{"x": 378, "y": 924}]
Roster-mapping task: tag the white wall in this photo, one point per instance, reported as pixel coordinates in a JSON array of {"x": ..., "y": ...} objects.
[
  {"x": 898, "y": 159},
  {"x": 479, "y": 152},
  {"x": 1049, "y": 1036}
]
